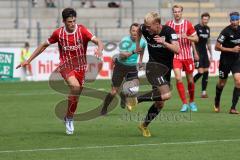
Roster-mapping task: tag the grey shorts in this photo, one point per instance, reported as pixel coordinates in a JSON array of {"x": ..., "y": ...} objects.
[{"x": 123, "y": 72}]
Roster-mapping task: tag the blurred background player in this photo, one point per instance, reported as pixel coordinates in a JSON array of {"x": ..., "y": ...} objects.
[
  {"x": 72, "y": 41},
  {"x": 125, "y": 66},
  {"x": 184, "y": 60},
  {"x": 25, "y": 54},
  {"x": 201, "y": 48},
  {"x": 162, "y": 44},
  {"x": 228, "y": 43}
]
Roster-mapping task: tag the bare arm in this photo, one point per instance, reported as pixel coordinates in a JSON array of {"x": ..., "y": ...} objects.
[
  {"x": 209, "y": 48},
  {"x": 139, "y": 50},
  {"x": 124, "y": 55},
  {"x": 194, "y": 48},
  {"x": 141, "y": 57},
  {"x": 139, "y": 35},
  {"x": 193, "y": 38},
  {"x": 219, "y": 47},
  {"x": 36, "y": 52},
  {"x": 195, "y": 53},
  {"x": 100, "y": 45},
  {"x": 173, "y": 46}
]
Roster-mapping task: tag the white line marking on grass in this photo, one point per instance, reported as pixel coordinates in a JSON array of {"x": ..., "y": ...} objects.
[
  {"x": 29, "y": 94},
  {"x": 41, "y": 92},
  {"x": 120, "y": 146}
]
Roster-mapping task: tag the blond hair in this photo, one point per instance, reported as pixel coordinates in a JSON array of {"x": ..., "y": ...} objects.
[
  {"x": 177, "y": 6},
  {"x": 152, "y": 16}
]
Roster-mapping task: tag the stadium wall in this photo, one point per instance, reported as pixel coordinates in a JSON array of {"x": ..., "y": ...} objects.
[{"x": 47, "y": 62}]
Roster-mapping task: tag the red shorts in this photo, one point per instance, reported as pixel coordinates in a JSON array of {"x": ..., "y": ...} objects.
[
  {"x": 80, "y": 75},
  {"x": 186, "y": 65}
]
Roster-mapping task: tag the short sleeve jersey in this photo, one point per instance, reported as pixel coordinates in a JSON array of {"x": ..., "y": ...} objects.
[
  {"x": 229, "y": 38},
  {"x": 128, "y": 45},
  {"x": 158, "y": 52},
  {"x": 72, "y": 46},
  {"x": 185, "y": 27},
  {"x": 203, "y": 33}
]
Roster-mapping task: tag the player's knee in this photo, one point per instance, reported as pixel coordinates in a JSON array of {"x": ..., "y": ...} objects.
[
  {"x": 221, "y": 84},
  {"x": 178, "y": 78},
  {"x": 76, "y": 88},
  {"x": 166, "y": 96}
]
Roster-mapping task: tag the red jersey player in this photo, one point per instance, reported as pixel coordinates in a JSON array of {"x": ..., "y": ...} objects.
[
  {"x": 184, "y": 60},
  {"x": 72, "y": 42}
]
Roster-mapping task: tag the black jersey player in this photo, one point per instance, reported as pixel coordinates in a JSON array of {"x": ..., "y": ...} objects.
[
  {"x": 228, "y": 43},
  {"x": 162, "y": 44},
  {"x": 202, "y": 48}
]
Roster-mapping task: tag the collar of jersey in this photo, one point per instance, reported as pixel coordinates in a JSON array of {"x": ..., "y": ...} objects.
[
  {"x": 182, "y": 20},
  {"x": 70, "y": 32}
]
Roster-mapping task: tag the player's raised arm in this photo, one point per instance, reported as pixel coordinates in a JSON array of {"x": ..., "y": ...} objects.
[{"x": 37, "y": 51}]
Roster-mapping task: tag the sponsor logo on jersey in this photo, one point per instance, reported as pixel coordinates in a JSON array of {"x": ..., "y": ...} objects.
[
  {"x": 203, "y": 35},
  {"x": 236, "y": 41},
  {"x": 71, "y": 48},
  {"x": 156, "y": 45},
  {"x": 174, "y": 36},
  {"x": 221, "y": 38}
]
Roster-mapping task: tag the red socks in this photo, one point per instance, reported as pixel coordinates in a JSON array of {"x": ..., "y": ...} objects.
[
  {"x": 181, "y": 92},
  {"x": 72, "y": 105},
  {"x": 191, "y": 87}
]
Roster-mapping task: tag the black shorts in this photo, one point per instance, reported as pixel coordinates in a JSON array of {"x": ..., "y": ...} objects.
[
  {"x": 227, "y": 65},
  {"x": 158, "y": 74},
  {"x": 121, "y": 72},
  {"x": 203, "y": 61}
]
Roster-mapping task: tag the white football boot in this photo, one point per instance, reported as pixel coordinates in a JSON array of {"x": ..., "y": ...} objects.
[{"x": 69, "y": 125}]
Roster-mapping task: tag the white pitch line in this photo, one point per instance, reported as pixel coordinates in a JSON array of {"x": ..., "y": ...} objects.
[
  {"x": 120, "y": 146},
  {"x": 29, "y": 94},
  {"x": 45, "y": 92}
]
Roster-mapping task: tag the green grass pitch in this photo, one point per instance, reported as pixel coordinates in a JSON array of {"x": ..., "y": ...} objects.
[{"x": 30, "y": 130}]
